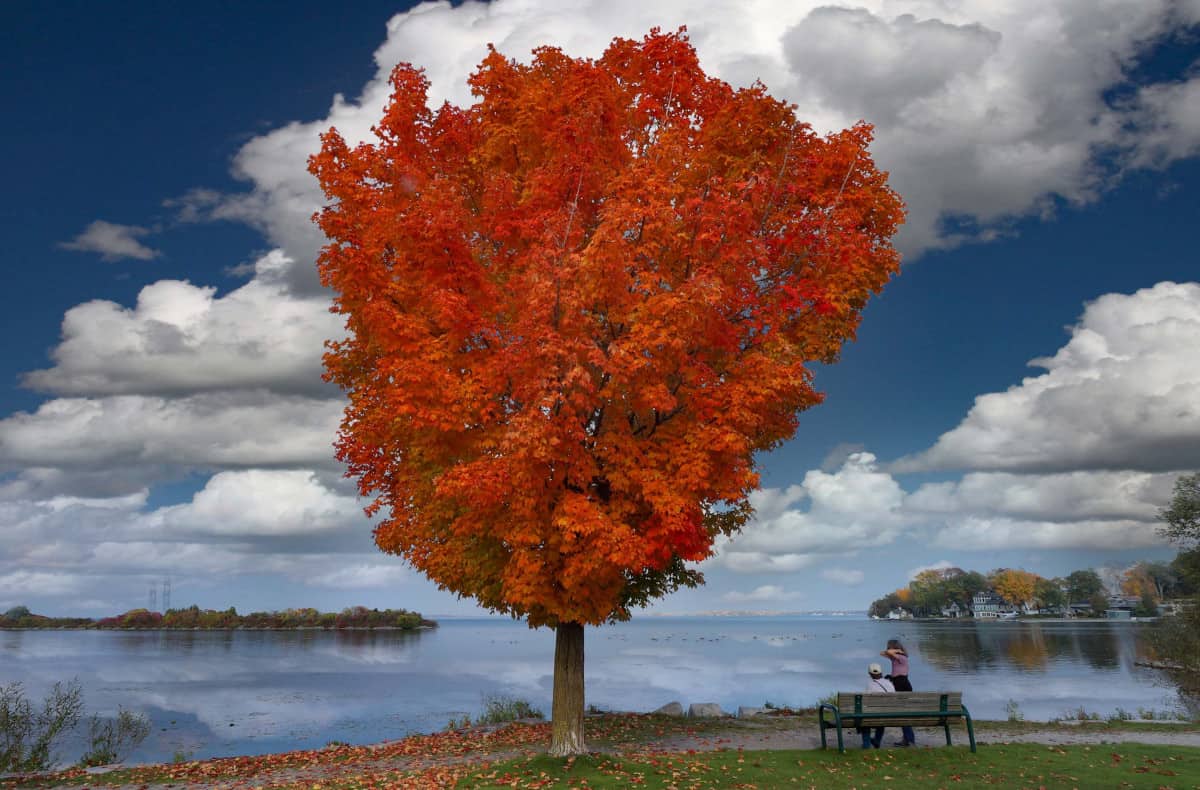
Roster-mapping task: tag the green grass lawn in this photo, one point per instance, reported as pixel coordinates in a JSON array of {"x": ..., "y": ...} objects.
[{"x": 1007, "y": 766}]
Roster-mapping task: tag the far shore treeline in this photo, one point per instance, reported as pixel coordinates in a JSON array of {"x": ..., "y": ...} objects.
[
  {"x": 933, "y": 592},
  {"x": 193, "y": 618}
]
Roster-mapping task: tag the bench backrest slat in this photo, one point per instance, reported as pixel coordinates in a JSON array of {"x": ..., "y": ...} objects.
[{"x": 900, "y": 702}]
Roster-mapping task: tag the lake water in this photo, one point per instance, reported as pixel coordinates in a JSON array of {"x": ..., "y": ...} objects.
[{"x": 250, "y": 692}]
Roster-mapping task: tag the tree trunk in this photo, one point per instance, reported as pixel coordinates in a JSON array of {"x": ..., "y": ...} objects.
[{"x": 566, "y": 713}]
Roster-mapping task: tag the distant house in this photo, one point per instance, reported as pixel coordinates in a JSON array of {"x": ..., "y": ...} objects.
[
  {"x": 986, "y": 605},
  {"x": 953, "y": 610},
  {"x": 899, "y": 614},
  {"x": 1120, "y": 607}
]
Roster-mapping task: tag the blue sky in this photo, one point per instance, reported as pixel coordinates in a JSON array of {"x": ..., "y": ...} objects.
[{"x": 162, "y": 414}]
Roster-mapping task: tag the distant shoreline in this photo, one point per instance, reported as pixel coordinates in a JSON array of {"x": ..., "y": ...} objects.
[
  {"x": 423, "y": 627},
  {"x": 757, "y": 613},
  {"x": 1020, "y": 620},
  {"x": 193, "y": 618}
]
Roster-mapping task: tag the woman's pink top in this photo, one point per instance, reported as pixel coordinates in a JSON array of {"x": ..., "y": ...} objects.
[{"x": 899, "y": 664}]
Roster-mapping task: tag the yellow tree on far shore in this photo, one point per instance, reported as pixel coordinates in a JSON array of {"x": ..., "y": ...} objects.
[
  {"x": 1015, "y": 585},
  {"x": 1137, "y": 582}
]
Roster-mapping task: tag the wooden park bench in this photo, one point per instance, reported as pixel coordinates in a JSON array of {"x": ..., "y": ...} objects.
[{"x": 902, "y": 708}]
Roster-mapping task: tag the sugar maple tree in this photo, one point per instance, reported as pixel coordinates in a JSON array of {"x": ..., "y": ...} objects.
[{"x": 577, "y": 309}]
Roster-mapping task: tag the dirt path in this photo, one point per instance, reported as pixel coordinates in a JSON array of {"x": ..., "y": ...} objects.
[{"x": 803, "y": 734}]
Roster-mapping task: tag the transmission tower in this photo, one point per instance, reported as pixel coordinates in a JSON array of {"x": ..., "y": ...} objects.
[
  {"x": 166, "y": 594},
  {"x": 153, "y": 597}
]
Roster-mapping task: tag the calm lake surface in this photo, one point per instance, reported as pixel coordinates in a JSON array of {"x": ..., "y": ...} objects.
[{"x": 249, "y": 692}]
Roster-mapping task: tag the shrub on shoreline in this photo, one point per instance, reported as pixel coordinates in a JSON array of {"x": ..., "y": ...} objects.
[
  {"x": 109, "y": 739},
  {"x": 28, "y": 737},
  {"x": 499, "y": 708}
]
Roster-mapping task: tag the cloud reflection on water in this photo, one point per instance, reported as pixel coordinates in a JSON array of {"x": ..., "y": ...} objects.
[{"x": 251, "y": 692}]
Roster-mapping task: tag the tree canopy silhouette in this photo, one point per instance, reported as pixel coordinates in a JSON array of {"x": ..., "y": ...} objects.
[{"x": 577, "y": 308}]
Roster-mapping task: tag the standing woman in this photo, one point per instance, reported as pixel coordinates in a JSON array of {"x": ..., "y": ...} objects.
[{"x": 899, "y": 677}]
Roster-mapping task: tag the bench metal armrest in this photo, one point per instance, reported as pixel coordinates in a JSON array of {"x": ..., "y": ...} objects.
[
  {"x": 836, "y": 723},
  {"x": 970, "y": 726}
]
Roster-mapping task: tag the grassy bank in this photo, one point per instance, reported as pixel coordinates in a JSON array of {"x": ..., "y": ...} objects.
[
  {"x": 1008, "y": 766},
  {"x": 664, "y": 752}
]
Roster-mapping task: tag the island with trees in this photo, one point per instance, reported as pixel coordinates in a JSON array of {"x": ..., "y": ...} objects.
[{"x": 195, "y": 618}]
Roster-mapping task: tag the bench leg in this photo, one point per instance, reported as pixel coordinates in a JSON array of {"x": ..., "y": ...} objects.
[
  {"x": 822, "y": 722},
  {"x": 947, "y": 729},
  {"x": 970, "y": 728}
]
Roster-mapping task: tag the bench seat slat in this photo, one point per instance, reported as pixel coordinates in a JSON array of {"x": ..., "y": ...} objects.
[
  {"x": 926, "y": 718},
  {"x": 922, "y": 722}
]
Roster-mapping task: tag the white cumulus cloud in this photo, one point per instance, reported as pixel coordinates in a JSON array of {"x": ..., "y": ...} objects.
[
  {"x": 119, "y": 444},
  {"x": 763, "y": 594},
  {"x": 1065, "y": 496},
  {"x": 218, "y": 429},
  {"x": 977, "y": 533},
  {"x": 847, "y": 576},
  {"x": 296, "y": 525},
  {"x": 1123, "y": 393},
  {"x": 1166, "y": 123},
  {"x": 856, "y": 507},
  {"x": 112, "y": 241},
  {"x": 264, "y": 502},
  {"x": 984, "y": 111},
  {"x": 182, "y": 338},
  {"x": 30, "y": 583},
  {"x": 362, "y": 576}
]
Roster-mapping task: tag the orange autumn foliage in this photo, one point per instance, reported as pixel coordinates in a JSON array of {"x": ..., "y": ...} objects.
[
  {"x": 1137, "y": 582},
  {"x": 1014, "y": 585},
  {"x": 578, "y": 308}
]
